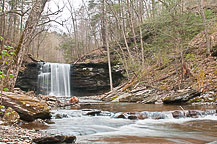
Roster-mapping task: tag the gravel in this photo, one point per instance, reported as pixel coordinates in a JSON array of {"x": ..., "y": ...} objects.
[{"x": 17, "y": 135}]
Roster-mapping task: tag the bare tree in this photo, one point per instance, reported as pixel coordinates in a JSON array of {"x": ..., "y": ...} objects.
[
  {"x": 28, "y": 32},
  {"x": 208, "y": 45},
  {"x": 107, "y": 47}
]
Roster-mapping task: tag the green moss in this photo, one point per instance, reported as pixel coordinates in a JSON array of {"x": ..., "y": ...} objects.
[{"x": 115, "y": 97}]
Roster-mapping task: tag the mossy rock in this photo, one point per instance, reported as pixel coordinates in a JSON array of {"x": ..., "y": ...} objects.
[
  {"x": 29, "y": 108},
  {"x": 11, "y": 116}
]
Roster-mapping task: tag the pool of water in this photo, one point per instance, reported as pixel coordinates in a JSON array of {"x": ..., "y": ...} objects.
[{"x": 107, "y": 128}]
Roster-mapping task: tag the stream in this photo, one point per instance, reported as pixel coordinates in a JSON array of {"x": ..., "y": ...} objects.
[{"x": 100, "y": 122}]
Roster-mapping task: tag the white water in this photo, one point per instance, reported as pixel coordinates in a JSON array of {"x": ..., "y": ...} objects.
[
  {"x": 54, "y": 79},
  {"x": 95, "y": 129}
]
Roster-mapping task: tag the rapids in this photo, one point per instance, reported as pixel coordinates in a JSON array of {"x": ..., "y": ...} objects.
[{"x": 105, "y": 127}]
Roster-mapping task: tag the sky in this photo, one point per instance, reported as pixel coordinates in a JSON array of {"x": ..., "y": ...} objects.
[{"x": 54, "y": 5}]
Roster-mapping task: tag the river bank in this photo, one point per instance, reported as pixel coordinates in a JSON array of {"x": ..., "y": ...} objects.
[{"x": 18, "y": 135}]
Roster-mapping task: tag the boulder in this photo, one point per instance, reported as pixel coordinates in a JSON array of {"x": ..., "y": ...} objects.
[
  {"x": 132, "y": 117},
  {"x": 93, "y": 113},
  {"x": 29, "y": 108},
  {"x": 74, "y": 100},
  {"x": 11, "y": 116},
  {"x": 178, "y": 114},
  {"x": 59, "y": 139},
  {"x": 122, "y": 115},
  {"x": 193, "y": 114},
  {"x": 142, "y": 116},
  {"x": 181, "y": 96},
  {"x": 61, "y": 115},
  {"x": 127, "y": 115}
]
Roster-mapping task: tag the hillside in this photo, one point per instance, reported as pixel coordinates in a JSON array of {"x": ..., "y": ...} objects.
[{"x": 167, "y": 72}]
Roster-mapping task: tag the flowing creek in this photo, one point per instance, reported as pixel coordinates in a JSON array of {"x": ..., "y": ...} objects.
[
  {"x": 100, "y": 122},
  {"x": 97, "y": 122}
]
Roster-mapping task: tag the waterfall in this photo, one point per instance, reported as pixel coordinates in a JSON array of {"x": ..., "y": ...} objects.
[{"x": 54, "y": 79}]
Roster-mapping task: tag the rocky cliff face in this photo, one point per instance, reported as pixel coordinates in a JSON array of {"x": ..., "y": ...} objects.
[
  {"x": 86, "y": 79},
  {"x": 27, "y": 78},
  {"x": 92, "y": 78}
]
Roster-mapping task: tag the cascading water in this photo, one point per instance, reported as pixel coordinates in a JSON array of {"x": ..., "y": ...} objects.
[
  {"x": 99, "y": 122},
  {"x": 54, "y": 79}
]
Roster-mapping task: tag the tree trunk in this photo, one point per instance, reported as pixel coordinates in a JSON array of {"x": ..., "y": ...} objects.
[
  {"x": 107, "y": 47},
  {"x": 103, "y": 25},
  {"x": 153, "y": 4},
  {"x": 25, "y": 39},
  {"x": 208, "y": 46},
  {"x": 132, "y": 25}
]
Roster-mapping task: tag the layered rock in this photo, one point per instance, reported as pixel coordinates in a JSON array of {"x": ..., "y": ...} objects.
[
  {"x": 29, "y": 108},
  {"x": 92, "y": 78},
  {"x": 86, "y": 79},
  {"x": 27, "y": 78},
  {"x": 181, "y": 97}
]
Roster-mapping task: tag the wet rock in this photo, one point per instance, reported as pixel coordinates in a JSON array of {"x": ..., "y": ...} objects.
[
  {"x": 177, "y": 114},
  {"x": 60, "y": 116},
  {"x": 49, "y": 121},
  {"x": 59, "y": 139},
  {"x": 93, "y": 113},
  {"x": 29, "y": 108},
  {"x": 11, "y": 116},
  {"x": 157, "y": 116},
  {"x": 209, "y": 112},
  {"x": 128, "y": 115},
  {"x": 122, "y": 115},
  {"x": 132, "y": 117},
  {"x": 193, "y": 114},
  {"x": 142, "y": 116},
  {"x": 181, "y": 97}
]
